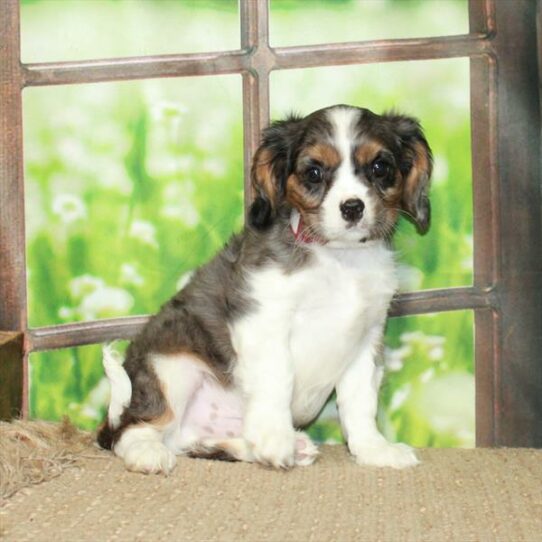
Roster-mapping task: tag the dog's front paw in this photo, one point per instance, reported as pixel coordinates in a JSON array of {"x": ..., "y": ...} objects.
[
  {"x": 272, "y": 444},
  {"x": 149, "y": 457},
  {"x": 385, "y": 454}
]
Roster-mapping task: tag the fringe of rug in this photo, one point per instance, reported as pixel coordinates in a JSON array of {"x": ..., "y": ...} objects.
[{"x": 32, "y": 452}]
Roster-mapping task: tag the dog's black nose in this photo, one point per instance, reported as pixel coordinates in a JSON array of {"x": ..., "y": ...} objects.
[{"x": 352, "y": 209}]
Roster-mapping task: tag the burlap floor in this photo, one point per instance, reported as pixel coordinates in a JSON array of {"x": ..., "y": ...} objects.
[{"x": 454, "y": 495}]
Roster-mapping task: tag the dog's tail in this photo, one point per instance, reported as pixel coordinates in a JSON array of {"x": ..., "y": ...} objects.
[{"x": 121, "y": 394}]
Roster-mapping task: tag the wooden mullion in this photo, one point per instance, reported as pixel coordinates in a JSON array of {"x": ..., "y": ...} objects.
[
  {"x": 254, "y": 56},
  {"x": 82, "y": 333},
  {"x": 13, "y": 312},
  {"x": 518, "y": 371},
  {"x": 132, "y": 68},
  {"x": 254, "y": 40},
  {"x": 486, "y": 233}
]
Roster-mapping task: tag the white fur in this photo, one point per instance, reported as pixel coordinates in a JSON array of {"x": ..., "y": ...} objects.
[
  {"x": 120, "y": 385},
  {"x": 181, "y": 375},
  {"x": 357, "y": 399},
  {"x": 142, "y": 449},
  {"x": 152, "y": 449},
  {"x": 316, "y": 329},
  {"x": 312, "y": 325}
]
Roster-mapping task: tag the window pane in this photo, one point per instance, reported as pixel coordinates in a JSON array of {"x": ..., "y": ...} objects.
[
  {"x": 129, "y": 186},
  {"x": 53, "y": 30},
  {"x": 426, "y": 400},
  {"x": 427, "y": 396},
  {"x": 436, "y": 92},
  {"x": 71, "y": 383},
  {"x": 304, "y": 22}
]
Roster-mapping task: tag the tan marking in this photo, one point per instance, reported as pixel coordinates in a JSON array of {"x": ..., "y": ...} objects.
[
  {"x": 422, "y": 158},
  {"x": 367, "y": 152},
  {"x": 392, "y": 195},
  {"x": 419, "y": 173},
  {"x": 167, "y": 416},
  {"x": 327, "y": 155},
  {"x": 298, "y": 196},
  {"x": 263, "y": 180}
]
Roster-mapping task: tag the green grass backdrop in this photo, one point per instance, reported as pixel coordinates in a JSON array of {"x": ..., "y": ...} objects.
[{"x": 131, "y": 185}]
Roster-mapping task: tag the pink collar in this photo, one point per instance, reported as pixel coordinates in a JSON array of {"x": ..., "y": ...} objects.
[{"x": 298, "y": 229}]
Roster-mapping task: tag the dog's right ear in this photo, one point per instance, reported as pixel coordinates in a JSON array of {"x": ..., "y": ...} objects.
[{"x": 270, "y": 169}]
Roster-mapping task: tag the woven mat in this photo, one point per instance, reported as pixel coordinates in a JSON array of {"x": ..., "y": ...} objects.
[{"x": 454, "y": 495}]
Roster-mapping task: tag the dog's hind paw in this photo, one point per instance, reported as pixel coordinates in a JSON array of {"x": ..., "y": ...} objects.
[{"x": 149, "y": 457}]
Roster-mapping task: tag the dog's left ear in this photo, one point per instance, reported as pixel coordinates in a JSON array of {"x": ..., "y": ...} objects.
[
  {"x": 416, "y": 167},
  {"x": 270, "y": 169}
]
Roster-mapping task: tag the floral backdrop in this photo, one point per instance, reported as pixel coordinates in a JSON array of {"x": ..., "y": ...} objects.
[{"x": 130, "y": 186}]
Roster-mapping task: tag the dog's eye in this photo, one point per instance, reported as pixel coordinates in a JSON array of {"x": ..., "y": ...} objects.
[
  {"x": 314, "y": 174},
  {"x": 380, "y": 169}
]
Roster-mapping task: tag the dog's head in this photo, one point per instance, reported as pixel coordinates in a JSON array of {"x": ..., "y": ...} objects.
[{"x": 347, "y": 171}]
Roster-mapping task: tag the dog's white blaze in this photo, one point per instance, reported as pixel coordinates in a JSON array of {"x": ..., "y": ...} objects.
[{"x": 346, "y": 185}]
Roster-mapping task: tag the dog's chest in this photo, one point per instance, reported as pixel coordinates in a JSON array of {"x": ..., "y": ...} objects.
[{"x": 325, "y": 310}]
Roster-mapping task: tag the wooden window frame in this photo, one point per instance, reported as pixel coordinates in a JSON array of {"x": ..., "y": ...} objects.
[{"x": 506, "y": 294}]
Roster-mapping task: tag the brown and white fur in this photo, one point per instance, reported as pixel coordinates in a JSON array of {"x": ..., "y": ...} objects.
[{"x": 291, "y": 309}]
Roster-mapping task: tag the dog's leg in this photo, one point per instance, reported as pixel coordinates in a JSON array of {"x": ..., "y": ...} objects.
[
  {"x": 141, "y": 445},
  {"x": 239, "y": 449},
  {"x": 357, "y": 399},
  {"x": 264, "y": 373}
]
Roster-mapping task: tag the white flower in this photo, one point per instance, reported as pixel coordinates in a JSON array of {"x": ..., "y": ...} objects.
[
  {"x": 179, "y": 203},
  {"x": 394, "y": 357},
  {"x": 400, "y": 396},
  {"x": 409, "y": 277},
  {"x": 411, "y": 336},
  {"x": 129, "y": 275},
  {"x": 72, "y": 151},
  {"x": 66, "y": 313},
  {"x": 69, "y": 208},
  {"x": 144, "y": 231},
  {"x": 434, "y": 340},
  {"x": 441, "y": 169},
  {"x": 426, "y": 376},
  {"x": 84, "y": 284},
  {"x": 214, "y": 166},
  {"x": 185, "y": 163},
  {"x": 436, "y": 353},
  {"x": 106, "y": 301}
]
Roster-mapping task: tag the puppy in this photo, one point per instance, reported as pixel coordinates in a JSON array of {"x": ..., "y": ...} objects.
[{"x": 291, "y": 309}]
